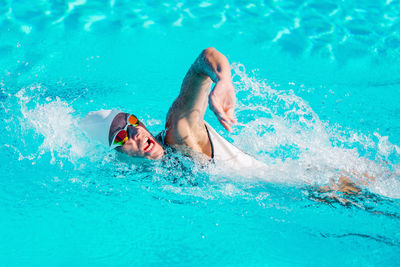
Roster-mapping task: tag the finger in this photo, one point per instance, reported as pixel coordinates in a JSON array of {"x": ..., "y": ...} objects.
[
  {"x": 230, "y": 115},
  {"x": 226, "y": 126},
  {"x": 222, "y": 115},
  {"x": 219, "y": 113},
  {"x": 228, "y": 118},
  {"x": 217, "y": 109}
]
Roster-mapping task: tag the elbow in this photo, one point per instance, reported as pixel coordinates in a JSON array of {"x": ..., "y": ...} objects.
[{"x": 209, "y": 52}]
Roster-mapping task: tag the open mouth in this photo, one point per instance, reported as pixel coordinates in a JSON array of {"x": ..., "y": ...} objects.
[{"x": 149, "y": 145}]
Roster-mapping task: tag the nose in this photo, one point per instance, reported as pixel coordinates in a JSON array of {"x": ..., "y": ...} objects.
[{"x": 132, "y": 131}]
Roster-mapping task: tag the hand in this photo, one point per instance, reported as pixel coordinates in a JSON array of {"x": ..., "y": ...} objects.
[{"x": 222, "y": 103}]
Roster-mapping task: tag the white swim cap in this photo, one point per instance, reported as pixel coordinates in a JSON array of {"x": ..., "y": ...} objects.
[{"x": 97, "y": 124}]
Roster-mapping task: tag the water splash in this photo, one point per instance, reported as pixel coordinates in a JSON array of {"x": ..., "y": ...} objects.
[
  {"x": 276, "y": 126},
  {"x": 49, "y": 125},
  {"x": 282, "y": 130}
]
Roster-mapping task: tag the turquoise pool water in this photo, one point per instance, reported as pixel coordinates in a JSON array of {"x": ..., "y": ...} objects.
[{"x": 317, "y": 85}]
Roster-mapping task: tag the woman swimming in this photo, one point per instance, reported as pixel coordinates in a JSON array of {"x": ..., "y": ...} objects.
[{"x": 185, "y": 129}]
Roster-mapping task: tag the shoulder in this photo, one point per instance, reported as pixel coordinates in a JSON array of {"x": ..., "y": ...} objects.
[
  {"x": 181, "y": 132},
  {"x": 189, "y": 139}
]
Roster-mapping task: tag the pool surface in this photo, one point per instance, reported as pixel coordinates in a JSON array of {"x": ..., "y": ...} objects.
[{"x": 318, "y": 85}]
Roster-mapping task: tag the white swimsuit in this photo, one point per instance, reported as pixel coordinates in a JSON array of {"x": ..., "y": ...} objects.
[
  {"x": 224, "y": 154},
  {"x": 227, "y": 155}
]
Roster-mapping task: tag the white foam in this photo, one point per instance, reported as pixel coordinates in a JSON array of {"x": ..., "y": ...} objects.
[
  {"x": 276, "y": 126},
  {"x": 56, "y": 123},
  {"x": 288, "y": 135}
]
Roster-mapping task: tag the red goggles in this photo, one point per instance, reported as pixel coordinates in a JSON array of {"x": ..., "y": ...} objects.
[{"x": 121, "y": 136}]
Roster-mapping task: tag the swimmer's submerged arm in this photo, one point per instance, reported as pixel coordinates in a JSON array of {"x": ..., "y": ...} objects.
[{"x": 185, "y": 117}]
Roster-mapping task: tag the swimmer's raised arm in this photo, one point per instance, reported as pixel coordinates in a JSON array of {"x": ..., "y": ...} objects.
[
  {"x": 223, "y": 97},
  {"x": 185, "y": 117}
]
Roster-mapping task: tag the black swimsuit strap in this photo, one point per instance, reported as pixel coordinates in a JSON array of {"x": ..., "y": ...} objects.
[
  {"x": 209, "y": 138},
  {"x": 161, "y": 139}
]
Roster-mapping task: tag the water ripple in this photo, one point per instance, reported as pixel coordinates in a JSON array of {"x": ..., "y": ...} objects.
[{"x": 325, "y": 28}]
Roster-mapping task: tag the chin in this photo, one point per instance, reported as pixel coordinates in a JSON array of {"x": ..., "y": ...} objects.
[{"x": 156, "y": 156}]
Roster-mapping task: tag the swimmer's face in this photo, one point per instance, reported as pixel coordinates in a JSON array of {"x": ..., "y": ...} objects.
[{"x": 140, "y": 143}]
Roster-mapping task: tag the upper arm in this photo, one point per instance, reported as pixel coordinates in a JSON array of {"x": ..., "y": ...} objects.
[
  {"x": 185, "y": 124},
  {"x": 192, "y": 100}
]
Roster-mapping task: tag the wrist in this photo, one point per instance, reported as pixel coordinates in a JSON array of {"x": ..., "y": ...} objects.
[{"x": 224, "y": 83}]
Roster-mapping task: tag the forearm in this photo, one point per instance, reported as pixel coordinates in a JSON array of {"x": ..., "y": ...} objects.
[
  {"x": 213, "y": 64},
  {"x": 191, "y": 104},
  {"x": 210, "y": 66}
]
